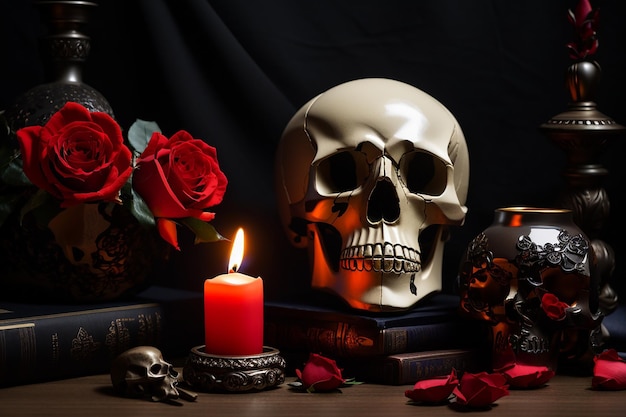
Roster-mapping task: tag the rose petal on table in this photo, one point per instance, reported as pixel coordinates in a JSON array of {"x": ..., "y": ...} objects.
[
  {"x": 433, "y": 390},
  {"x": 481, "y": 389},
  {"x": 527, "y": 376},
  {"x": 609, "y": 371}
]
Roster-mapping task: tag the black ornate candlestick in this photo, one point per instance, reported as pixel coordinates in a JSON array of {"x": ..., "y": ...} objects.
[
  {"x": 64, "y": 48},
  {"x": 583, "y": 132}
]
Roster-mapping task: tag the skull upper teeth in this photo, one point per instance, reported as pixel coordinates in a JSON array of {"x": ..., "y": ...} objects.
[{"x": 380, "y": 257}]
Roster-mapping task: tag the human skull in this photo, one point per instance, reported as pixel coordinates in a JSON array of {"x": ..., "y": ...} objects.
[
  {"x": 369, "y": 174},
  {"x": 141, "y": 371}
]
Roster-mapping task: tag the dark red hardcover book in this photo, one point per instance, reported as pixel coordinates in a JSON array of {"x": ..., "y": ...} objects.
[{"x": 345, "y": 333}]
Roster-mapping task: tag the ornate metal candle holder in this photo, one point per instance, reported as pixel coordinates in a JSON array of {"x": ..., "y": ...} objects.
[{"x": 207, "y": 372}]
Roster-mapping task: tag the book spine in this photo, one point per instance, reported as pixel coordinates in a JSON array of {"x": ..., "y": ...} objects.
[
  {"x": 341, "y": 339},
  {"x": 69, "y": 345},
  {"x": 408, "y": 368}
]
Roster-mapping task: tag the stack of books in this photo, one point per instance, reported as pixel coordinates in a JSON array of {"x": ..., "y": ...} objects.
[{"x": 386, "y": 348}]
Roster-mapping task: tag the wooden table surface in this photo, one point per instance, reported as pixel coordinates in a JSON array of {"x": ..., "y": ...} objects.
[{"x": 92, "y": 396}]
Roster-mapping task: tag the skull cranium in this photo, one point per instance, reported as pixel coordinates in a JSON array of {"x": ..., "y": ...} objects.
[
  {"x": 141, "y": 371},
  {"x": 369, "y": 175}
]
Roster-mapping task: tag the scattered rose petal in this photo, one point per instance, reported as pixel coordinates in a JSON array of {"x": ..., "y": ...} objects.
[
  {"x": 434, "y": 390},
  {"x": 527, "y": 376},
  {"x": 609, "y": 371},
  {"x": 481, "y": 389},
  {"x": 320, "y": 374}
]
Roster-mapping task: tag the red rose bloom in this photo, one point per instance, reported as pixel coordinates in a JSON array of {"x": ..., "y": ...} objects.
[
  {"x": 609, "y": 371},
  {"x": 179, "y": 178},
  {"x": 320, "y": 374},
  {"x": 527, "y": 376},
  {"x": 480, "y": 390},
  {"x": 77, "y": 156},
  {"x": 553, "y": 307},
  {"x": 434, "y": 390}
]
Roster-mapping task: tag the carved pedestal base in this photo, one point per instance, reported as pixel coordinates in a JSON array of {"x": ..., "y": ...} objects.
[{"x": 206, "y": 372}]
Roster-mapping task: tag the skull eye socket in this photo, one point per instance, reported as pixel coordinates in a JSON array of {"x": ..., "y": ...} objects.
[
  {"x": 156, "y": 369},
  {"x": 342, "y": 171},
  {"x": 423, "y": 173}
]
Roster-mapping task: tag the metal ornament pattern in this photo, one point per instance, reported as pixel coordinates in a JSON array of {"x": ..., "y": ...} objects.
[
  {"x": 569, "y": 253},
  {"x": 207, "y": 372}
]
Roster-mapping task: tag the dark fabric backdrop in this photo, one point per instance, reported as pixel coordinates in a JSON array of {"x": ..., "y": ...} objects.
[{"x": 233, "y": 72}]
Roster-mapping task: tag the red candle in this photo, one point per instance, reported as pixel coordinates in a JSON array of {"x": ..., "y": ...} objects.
[{"x": 233, "y": 310}]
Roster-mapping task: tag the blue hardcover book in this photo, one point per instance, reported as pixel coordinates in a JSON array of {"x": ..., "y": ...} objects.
[
  {"x": 615, "y": 325},
  {"x": 41, "y": 342}
]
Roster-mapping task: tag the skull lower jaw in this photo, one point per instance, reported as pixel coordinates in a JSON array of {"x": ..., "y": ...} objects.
[
  {"x": 376, "y": 291},
  {"x": 375, "y": 277}
]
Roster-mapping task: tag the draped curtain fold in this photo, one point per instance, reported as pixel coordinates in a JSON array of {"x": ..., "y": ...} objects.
[{"x": 233, "y": 72}]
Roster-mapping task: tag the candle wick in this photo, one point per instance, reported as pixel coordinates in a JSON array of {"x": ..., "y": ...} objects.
[{"x": 233, "y": 269}]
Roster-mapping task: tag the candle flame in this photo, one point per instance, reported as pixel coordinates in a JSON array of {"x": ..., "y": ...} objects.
[{"x": 236, "y": 253}]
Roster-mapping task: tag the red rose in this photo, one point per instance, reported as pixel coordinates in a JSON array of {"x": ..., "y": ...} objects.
[
  {"x": 553, "y": 307},
  {"x": 527, "y": 376},
  {"x": 480, "y": 390},
  {"x": 77, "y": 156},
  {"x": 434, "y": 390},
  {"x": 320, "y": 374},
  {"x": 179, "y": 178},
  {"x": 609, "y": 371}
]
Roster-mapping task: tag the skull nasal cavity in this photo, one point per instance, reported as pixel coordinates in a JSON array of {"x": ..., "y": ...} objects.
[{"x": 383, "y": 203}]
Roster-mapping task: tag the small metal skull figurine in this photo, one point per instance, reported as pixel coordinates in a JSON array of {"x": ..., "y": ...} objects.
[
  {"x": 141, "y": 371},
  {"x": 369, "y": 175}
]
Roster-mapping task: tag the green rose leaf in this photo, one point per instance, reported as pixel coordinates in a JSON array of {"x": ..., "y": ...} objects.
[
  {"x": 11, "y": 172},
  {"x": 140, "y": 132},
  {"x": 140, "y": 210},
  {"x": 205, "y": 232},
  {"x": 352, "y": 381}
]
